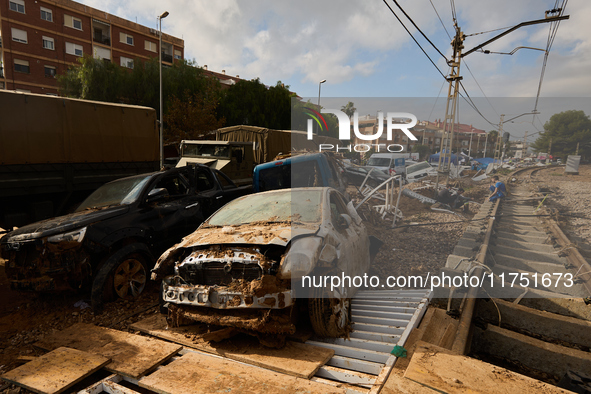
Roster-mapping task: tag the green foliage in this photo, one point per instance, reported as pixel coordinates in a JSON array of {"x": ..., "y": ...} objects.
[
  {"x": 422, "y": 150},
  {"x": 251, "y": 103},
  {"x": 93, "y": 80},
  {"x": 349, "y": 109},
  {"x": 300, "y": 118},
  {"x": 493, "y": 137},
  {"x": 192, "y": 96},
  {"x": 565, "y": 130}
]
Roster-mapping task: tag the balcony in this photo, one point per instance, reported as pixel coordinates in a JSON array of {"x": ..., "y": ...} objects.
[
  {"x": 101, "y": 32},
  {"x": 166, "y": 57}
]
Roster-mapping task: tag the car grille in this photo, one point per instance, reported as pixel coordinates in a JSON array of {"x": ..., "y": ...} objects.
[{"x": 220, "y": 268}]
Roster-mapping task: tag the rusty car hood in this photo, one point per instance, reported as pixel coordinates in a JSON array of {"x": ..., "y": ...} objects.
[
  {"x": 60, "y": 224},
  {"x": 255, "y": 234}
]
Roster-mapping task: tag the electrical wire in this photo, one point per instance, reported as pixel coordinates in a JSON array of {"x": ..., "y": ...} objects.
[
  {"x": 488, "y": 31},
  {"x": 419, "y": 30},
  {"x": 434, "y": 104},
  {"x": 442, "y": 24},
  {"x": 414, "y": 39},
  {"x": 551, "y": 36}
]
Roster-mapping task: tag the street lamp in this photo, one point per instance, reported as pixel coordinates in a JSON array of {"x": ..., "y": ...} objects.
[
  {"x": 319, "y": 85},
  {"x": 164, "y": 15}
]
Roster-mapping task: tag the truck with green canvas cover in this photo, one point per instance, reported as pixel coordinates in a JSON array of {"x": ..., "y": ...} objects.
[
  {"x": 55, "y": 151},
  {"x": 235, "y": 159}
]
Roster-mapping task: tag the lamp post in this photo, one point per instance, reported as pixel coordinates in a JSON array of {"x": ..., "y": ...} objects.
[
  {"x": 164, "y": 15},
  {"x": 319, "y": 85}
]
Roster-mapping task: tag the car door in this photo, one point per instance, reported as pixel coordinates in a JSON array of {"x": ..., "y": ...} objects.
[
  {"x": 176, "y": 215},
  {"x": 351, "y": 250}
]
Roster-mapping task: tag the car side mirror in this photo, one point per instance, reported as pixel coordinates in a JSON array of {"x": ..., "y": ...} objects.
[
  {"x": 344, "y": 221},
  {"x": 157, "y": 194}
]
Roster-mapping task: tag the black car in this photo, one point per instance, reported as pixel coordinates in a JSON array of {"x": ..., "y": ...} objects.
[
  {"x": 356, "y": 175},
  {"x": 112, "y": 239}
]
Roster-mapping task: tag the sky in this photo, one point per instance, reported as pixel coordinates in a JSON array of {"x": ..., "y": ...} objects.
[{"x": 362, "y": 51}]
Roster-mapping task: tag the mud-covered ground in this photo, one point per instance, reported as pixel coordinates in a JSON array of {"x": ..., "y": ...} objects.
[
  {"x": 27, "y": 317},
  {"x": 571, "y": 196},
  {"x": 422, "y": 249}
]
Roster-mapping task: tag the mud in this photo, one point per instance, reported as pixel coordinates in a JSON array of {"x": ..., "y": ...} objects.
[{"x": 252, "y": 321}]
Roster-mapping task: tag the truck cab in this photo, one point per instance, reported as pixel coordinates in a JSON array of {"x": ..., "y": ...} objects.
[{"x": 234, "y": 159}]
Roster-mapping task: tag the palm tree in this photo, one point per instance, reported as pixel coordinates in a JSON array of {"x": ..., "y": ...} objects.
[{"x": 349, "y": 109}]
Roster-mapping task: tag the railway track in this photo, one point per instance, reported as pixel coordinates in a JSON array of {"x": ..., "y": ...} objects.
[{"x": 530, "y": 310}]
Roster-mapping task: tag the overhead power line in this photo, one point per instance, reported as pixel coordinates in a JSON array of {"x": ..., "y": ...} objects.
[
  {"x": 419, "y": 30},
  {"x": 414, "y": 39}
]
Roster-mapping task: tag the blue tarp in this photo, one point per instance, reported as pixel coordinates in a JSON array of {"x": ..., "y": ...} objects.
[
  {"x": 435, "y": 158},
  {"x": 483, "y": 162}
]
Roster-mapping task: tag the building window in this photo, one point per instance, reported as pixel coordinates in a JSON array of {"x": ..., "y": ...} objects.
[
  {"x": 73, "y": 49},
  {"x": 177, "y": 54},
  {"x": 48, "y": 43},
  {"x": 50, "y": 71},
  {"x": 126, "y": 62},
  {"x": 46, "y": 14},
  {"x": 126, "y": 38},
  {"x": 19, "y": 35},
  {"x": 17, "y": 5},
  {"x": 21, "y": 66},
  {"x": 150, "y": 46},
  {"x": 101, "y": 53},
  {"x": 73, "y": 22}
]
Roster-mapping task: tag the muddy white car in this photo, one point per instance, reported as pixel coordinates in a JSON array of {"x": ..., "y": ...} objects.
[{"x": 244, "y": 266}]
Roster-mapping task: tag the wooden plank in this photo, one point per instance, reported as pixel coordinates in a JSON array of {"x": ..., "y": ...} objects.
[
  {"x": 195, "y": 373},
  {"x": 56, "y": 371},
  {"x": 131, "y": 355},
  {"x": 440, "y": 369},
  {"x": 296, "y": 359}
]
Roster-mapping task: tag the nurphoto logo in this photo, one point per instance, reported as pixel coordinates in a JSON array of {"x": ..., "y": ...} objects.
[{"x": 394, "y": 121}]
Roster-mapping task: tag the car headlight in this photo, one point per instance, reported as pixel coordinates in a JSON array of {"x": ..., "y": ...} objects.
[
  {"x": 301, "y": 258},
  {"x": 72, "y": 236}
]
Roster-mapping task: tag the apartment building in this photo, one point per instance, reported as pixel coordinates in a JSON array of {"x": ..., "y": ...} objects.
[
  {"x": 466, "y": 137},
  {"x": 40, "y": 39}
]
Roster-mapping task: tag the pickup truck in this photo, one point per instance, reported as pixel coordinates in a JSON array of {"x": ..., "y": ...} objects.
[{"x": 110, "y": 242}]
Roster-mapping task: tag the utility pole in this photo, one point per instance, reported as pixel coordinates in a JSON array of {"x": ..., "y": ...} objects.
[
  {"x": 454, "y": 79},
  {"x": 524, "y": 148},
  {"x": 499, "y": 143}
]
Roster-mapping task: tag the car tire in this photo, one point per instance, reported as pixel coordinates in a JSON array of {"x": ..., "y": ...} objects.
[
  {"x": 330, "y": 315},
  {"x": 123, "y": 275}
]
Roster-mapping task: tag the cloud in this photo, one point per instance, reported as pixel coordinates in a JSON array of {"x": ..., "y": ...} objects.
[{"x": 347, "y": 40}]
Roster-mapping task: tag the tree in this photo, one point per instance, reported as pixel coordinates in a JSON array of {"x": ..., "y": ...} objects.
[
  {"x": 565, "y": 130},
  {"x": 492, "y": 139},
  {"x": 422, "y": 150},
  {"x": 192, "y": 96},
  {"x": 251, "y": 103},
  {"x": 301, "y": 113},
  {"x": 349, "y": 109},
  {"x": 190, "y": 118},
  {"x": 93, "y": 79}
]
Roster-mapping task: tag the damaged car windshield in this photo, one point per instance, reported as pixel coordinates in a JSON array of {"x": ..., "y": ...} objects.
[
  {"x": 120, "y": 192},
  {"x": 278, "y": 206}
]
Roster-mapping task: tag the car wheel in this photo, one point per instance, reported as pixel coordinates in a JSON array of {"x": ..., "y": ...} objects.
[
  {"x": 123, "y": 275},
  {"x": 330, "y": 315},
  {"x": 130, "y": 276}
]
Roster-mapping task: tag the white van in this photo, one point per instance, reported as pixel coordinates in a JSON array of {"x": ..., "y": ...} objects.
[
  {"x": 385, "y": 161},
  {"x": 418, "y": 171}
]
